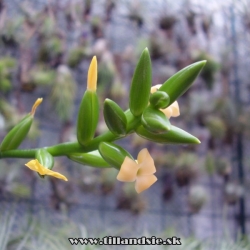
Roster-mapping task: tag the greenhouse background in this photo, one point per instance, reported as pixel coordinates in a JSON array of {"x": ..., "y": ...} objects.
[{"x": 201, "y": 195}]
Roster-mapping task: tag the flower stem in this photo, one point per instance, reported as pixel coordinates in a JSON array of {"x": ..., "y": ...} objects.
[{"x": 64, "y": 149}]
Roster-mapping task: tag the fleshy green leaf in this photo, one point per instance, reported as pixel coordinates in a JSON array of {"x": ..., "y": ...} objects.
[
  {"x": 141, "y": 84},
  {"x": 173, "y": 136},
  {"x": 92, "y": 159},
  {"x": 114, "y": 117},
  {"x": 179, "y": 83},
  {"x": 113, "y": 154}
]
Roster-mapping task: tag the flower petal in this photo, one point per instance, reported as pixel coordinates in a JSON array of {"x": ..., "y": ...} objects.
[
  {"x": 128, "y": 170},
  {"x": 92, "y": 75},
  {"x": 55, "y": 174},
  {"x": 144, "y": 182},
  {"x": 155, "y": 88},
  {"x": 146, "y": 163},
  {"x": 167, "y": 111},
  {"x": 143, "y": 154},
  {"x": 175, "y": 109},
  {"x": 35, "y": 166}
]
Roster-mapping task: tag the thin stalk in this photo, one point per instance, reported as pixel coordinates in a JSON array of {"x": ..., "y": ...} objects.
[{"x": 64, "y": 149}]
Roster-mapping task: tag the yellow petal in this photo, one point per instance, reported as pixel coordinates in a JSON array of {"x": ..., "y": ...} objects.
[
  {"x": 155, "y": 88},
  {"x": 144, "y": 182},
  {"x": 92, "y": 75},
  {"x": 55, "y": 174},
  {"x": 36, "y": 104},
  {"x": 128, "y": 170},
  {"x": 175, "y": 109},
  {"x": 36, "y": 166},
  {"x": 32, "y": 165}
]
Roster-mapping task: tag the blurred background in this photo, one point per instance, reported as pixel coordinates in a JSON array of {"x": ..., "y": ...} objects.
[{"x": 202, "y": 191}]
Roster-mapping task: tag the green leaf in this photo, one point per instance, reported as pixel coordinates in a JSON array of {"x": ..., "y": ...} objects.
[
  {"x": 92, "y": 159},
  {"x": 173, "y": 136},
  {"x": 113, "y": 154},
  {"x": 179, "y": 83},
  {"x": 114, "y": 118},
  {"x": 17, "y": 134},
  {"x": 155, "y": 121},
  {"x": 141, "y": 85}
]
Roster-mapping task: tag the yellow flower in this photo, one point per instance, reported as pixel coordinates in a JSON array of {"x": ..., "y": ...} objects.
[
  {"x": 36, "y": 166},
  {"x": 141, "y": 171},
  {"x": 92, "y": 75},
  {"x": 172, "y": 110}
]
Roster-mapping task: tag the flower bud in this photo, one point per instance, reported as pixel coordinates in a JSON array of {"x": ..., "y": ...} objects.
[
  {"x": 155, "y": 121},
  {"x": 88, "y": 115},
  {"x": 159, "y": 100},
  {"x": 45, "y": 159},
  {"x": 114, "y": 118},
  {"x": 92, "y": 159},
  {"x": 113, "y": 154}
]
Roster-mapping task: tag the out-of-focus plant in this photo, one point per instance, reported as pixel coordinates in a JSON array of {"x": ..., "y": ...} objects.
[
  {"x": 197, "y": 197},
  {"x": 107, "y": 180},
  {"x": 135, "y": 12},
  {"x": 12, "y": 183},
  {"x": 6, "y": 65},
  {"x": 223, "y": 166},
  {"x": 210, "y": 70},
  {"x": 10, "y": 32},
  {"x": 63, "y": 92},
  {"x": 167, "y": 22},
  {"x": 129, "y": 200},
  {"x": 39, "y": 75},
  {"x": 75, "y": 56},
  {"x": 186, "y": 168},
  {"x": 233, "y": 192}
]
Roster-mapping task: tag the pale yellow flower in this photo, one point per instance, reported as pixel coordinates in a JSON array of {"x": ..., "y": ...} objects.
[
  {"x": 36, "y": 166},
  {"x": 92, "y": 75},
  {"x": 141, "y": 171},
  {"x": 172, "y": 110}
]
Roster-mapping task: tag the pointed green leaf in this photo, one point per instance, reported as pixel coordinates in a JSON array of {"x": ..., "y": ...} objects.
[
  {"x": 173, "y": 136},
  {"x": 155, "y": 121},
  {"x": 141, "y": 85},
  {"x": 17, "y": 134},
  {"x": 179, "y": 83},
  {"x": 92, "y": 159},
  {"x": 114, "y": 117},
  {"x": 113, "y": 154}
]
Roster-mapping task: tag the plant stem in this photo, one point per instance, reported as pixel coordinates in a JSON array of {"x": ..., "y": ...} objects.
[{"x": 64, "y": 149}]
